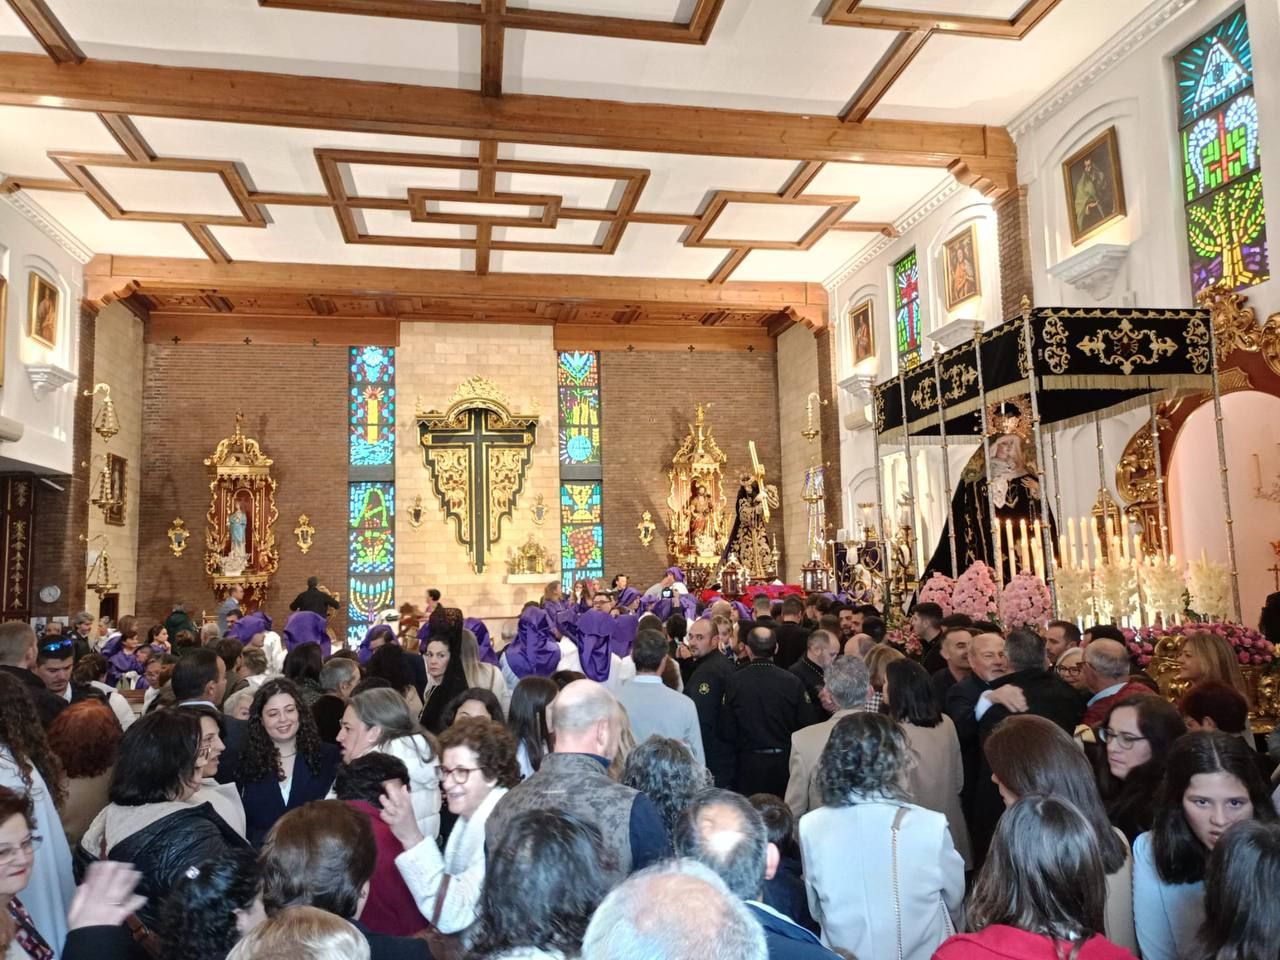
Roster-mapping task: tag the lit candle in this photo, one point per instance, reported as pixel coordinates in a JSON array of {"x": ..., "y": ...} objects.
[
  {"x": 1111, "y": 528},
  {"x": 1137, "y": 545},
  {"x": 1025, "y": 559},
  {"x": 1062, "y": 548},
  {"x": 1008, "y": 539},
  {"x": 1037, "y": 557},
  {"x": 1071, "y": 536},
  {"x": 1097, "y": 546},
  {"x": 1124, "y": 535}
]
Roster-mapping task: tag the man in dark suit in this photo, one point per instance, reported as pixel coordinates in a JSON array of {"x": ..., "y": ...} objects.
[
  {"x": 722, "y": 831},
  {"x": 201, "y": 678},
  {"x": 926, "y": 623},
  {"x": 791, "y": 633},
  {"x": 17, "y": 657},
  {"x": 705, "y": 687},
  {"x": 763, "y": 706},
  {"x": 314, "y": 599}
]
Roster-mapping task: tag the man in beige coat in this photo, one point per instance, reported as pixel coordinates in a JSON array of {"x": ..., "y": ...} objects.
[{"x": 848, "y": 683}]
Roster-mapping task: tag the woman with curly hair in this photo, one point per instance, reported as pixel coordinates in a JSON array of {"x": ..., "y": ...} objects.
[
  {"x": 283, "y": 763},
  {"x": 211, "y": 907},
  {"x": 907, "y": 879},
  {"x": 85, "y": 736},
  {"x": 479, "y": 767},
  {"x": 666, "y": 772},
  {"x": 29, "y": 766}
]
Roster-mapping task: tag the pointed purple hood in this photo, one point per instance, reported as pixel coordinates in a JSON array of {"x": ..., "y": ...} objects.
[
  {"x": 366, "y": 649},
  {"x": 595, "y": 632},
  {"x": 306, "y": 627},
  {"x": 535, "y": 650},
  {"x": 481, "y": 633},
  {"x": 245, "y": 628}
]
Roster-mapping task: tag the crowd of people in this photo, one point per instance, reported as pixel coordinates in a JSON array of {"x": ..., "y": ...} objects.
[{"x": 626, "y": 776}]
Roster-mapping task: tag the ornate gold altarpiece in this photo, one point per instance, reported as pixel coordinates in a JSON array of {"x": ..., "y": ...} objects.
[
  {"x": 697, "y": 517},
  {"x": 240, "y": 542},
  {"x": 478, "y": 454}
]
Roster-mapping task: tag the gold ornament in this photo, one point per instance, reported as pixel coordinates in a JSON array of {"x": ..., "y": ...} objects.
[
  {"x": 305, "y": 533},
  {"x": 417, "y": 512},
  {"x": 646, "y": 528},
  {"x": 105, "y": 423},
  {"x": 178, "y": 536}
]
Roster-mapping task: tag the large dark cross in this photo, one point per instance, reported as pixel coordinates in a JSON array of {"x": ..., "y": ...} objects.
[{"x": 463, "y": 484}]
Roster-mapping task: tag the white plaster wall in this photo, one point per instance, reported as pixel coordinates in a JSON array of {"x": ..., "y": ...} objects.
[{"x": 46, "y": 443}]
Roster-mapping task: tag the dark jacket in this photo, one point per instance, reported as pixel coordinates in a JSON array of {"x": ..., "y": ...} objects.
[
  {"x": 961, "y": 698},
  {"x": 161, "y": 851},
  {"x": 793, "y": 640},
  {"x": 786, "y": 893},
  {"x": 705, "y": 687},
  {"x": 787, "y": 940},
  {"x": 263, "y": 804},
  {"x": 48, "y": 705},
  {"x": 315, "y": 601},
  {"x": 385, "y": 947},
  {"x": 811, "y": 676}
]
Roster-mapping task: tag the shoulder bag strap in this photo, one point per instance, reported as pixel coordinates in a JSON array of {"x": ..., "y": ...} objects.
[
  {"x": 438, "y": 908},
  {"x": 897, "y": 898}
]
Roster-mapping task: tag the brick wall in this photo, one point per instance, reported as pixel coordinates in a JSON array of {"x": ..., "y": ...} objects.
[
  {"x": 797, "y": 378},
  {"x": 432, "y": 360},
  {"x": 648, "y": 400},
  {"x": 1013, "y": 226},
  {"x": 62, "y": 517},
  {"x": 118, "y": 361},
  {"x": 294, "y": 401}
]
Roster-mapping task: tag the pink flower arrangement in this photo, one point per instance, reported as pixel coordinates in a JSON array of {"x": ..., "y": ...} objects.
[
  {"x": 1252, "y": 649},
  {"x": 938, "y": 589},
  {"x": 975, "y": 593},
  {"x": 906, "y": 641},
  {"x": 1025, "y": 602}
]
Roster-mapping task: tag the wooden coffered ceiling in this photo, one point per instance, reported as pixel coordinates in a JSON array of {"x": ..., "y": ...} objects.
[{"x": 715, "y": 155}]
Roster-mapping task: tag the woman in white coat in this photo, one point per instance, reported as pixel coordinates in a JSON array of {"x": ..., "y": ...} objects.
[
  {"x": 379, "y": 721},
  {"x": 883, "y": 877}
]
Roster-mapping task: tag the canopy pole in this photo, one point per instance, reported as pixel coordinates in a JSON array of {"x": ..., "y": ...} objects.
[
  {"x": 986, "y": 456},
  {"x": 1157, "y": 459},
  {"x": 880, "y": 517},
  {"x": 1222, "y": 467},
  {"x": 946, "y": 462},
  {"x": 911, "y": 482},
  {"x": 1057, "y": 484},
  {"x": 1046, "y": 527}
]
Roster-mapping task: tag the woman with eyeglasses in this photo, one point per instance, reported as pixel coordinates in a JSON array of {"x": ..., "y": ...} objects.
[
  {"x": 1070, "y": 667},
  {"x": 1210, "y": 784},
  {"x": 478, "y": 768},
  {"x": 1137, "y": 735},
  {"x": 20, "y": 939}
]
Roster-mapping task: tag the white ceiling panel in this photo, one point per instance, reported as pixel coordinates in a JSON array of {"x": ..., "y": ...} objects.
[
  {"x": 396, "y": 223},
  {"x": 669, "y": 11},
  {"x": 278, "y": 159},
  {"x": 646, "y": 250},
  {"x": 383, "y": 180},
  {"x": 14, "y": 37},
  {"x": 974, "y": 80},
  {"x": 1000, "y": 9},
  {"x": 763, "y": 55},
  {"x": 92, "y": 227},
  {"x": 589, "y": 192},
  {"x": 884, "y": 192},
  {"x": 823, "y": 259},
  {"x": 166, "y": 191},
  {"x": 311, "y": 235},
  {"x": 764, "y": 221},
  {"x": 27, "y": 134},
  {"x": 238, "y": 34},
  {"x": 565, "y": 231}
]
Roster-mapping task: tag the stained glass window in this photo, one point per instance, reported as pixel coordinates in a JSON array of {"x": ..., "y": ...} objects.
[
  {"x": 1226, "y": 214},
  {"x": 372, "y": 406},
  {"x": 581, "y": 533},
  {"x": 581, "y": 530},
  {"x": 906, "y": 309},
  {"x": 579, "y": 379},
  {"x": 371, "y": 422}
]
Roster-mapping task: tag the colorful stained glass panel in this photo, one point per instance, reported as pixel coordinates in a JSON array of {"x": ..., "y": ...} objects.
[
  {"x": 579, "y": 425},
  {"x": 579, "y": 368},
  {"x": 368, "y": 598},
  {"x": 372, "y": 515},
  {"x": 581, "y": 533},
  {"x": 906, "y": 308},
  {"x": 1220, "y": 147},
  {"x": 1227, "y": 236},
  {"x": 371, "y": 406},
  {"x": 1215, "y": 67}
]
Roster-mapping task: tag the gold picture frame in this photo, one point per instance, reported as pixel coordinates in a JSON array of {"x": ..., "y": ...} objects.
[
  {"x": 862, "y": 332},
  {"x": 118, "y": 470},
  {"x": 1094, "y": 184},
  {"x": 960, "y": 268},
  {"x": 43, "y": 310}
]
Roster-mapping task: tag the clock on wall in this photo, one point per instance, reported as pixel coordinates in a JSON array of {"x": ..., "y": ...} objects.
[{"x": 50, "y": 594}]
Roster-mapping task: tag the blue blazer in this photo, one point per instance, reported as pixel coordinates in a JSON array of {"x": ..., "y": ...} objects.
[
  {"x": 787, "y": 940},
  {"x": 263, "y": 804}
]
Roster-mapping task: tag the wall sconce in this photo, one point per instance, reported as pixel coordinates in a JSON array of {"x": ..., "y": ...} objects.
[
  {"x": 99, "y": 578},
  {"x": 105, "y": 422},
  {"x": 105, "y": 495}
]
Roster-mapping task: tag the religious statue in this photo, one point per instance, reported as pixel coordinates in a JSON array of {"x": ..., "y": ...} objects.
[
  {"x": 240, "y": 543},
  {"x": 1014, "y": 490},
  {"x": 237, "y": 523},
  {"x": 696, "y": 504},
  {"x": 749, "y": 538}
]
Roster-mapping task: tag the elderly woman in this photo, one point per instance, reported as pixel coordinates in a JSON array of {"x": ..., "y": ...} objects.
[
  {"x": 1070, "y": 667},
  {"x": 479, "y": 767},
  {"x": 883, "y": 876}
]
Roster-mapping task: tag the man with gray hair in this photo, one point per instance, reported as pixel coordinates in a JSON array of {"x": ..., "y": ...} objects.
[
  {"x": 81, "y": 627},
  {"x": 575, "y": 778},
  {"x": 721, "y": 830},
  {"x": 1106, "y": 674},
  {"x": 635, "y": 921},
  {"x": 338, "y": 677},
  {"x": 848, "y": 684}
]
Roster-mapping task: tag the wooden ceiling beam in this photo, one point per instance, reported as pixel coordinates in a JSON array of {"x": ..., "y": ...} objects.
[
  {"x": 329, "y": 103},
  {"x": 857, "y": 13},
  {"x": 492, "y": 42},
  {"x": 48, "y": 31},
  {"x": 891, "y": 66}
]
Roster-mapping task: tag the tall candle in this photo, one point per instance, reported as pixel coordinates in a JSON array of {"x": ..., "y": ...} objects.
[
  {"x": 1008, "y": 539},
  {"x": 1071, "y": 537},
  {"x": 1022, "y": 529},
  {"x": 1097, "y": 546},
  {"x": 1062, "y": 548},
  {"x": 1037, "y": 557},
  {"x": 1137, "y": 545},
  {"x": 1124, "y": 535}
]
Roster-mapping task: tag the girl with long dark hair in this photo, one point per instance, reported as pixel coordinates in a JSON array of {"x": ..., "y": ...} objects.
[{"x": 1137, "y": 736}]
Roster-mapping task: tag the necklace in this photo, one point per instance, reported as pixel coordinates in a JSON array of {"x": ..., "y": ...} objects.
[{"x": 287, "y": 756}]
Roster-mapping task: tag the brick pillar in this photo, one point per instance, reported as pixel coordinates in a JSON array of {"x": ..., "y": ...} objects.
[
  {"x": 62, "y": 517},
  {"x": 1014, "y": 228},
  {"x": 833, "y": 483}
]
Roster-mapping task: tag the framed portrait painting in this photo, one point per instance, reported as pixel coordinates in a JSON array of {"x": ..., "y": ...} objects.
[
  {"x": 42, "y": 311},
  {"x": 118, "y": 470},
  {"x": 960, "y": 267},
  {"x": 1095, "y": 186},
  {"x": 862, "y": 332}
]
